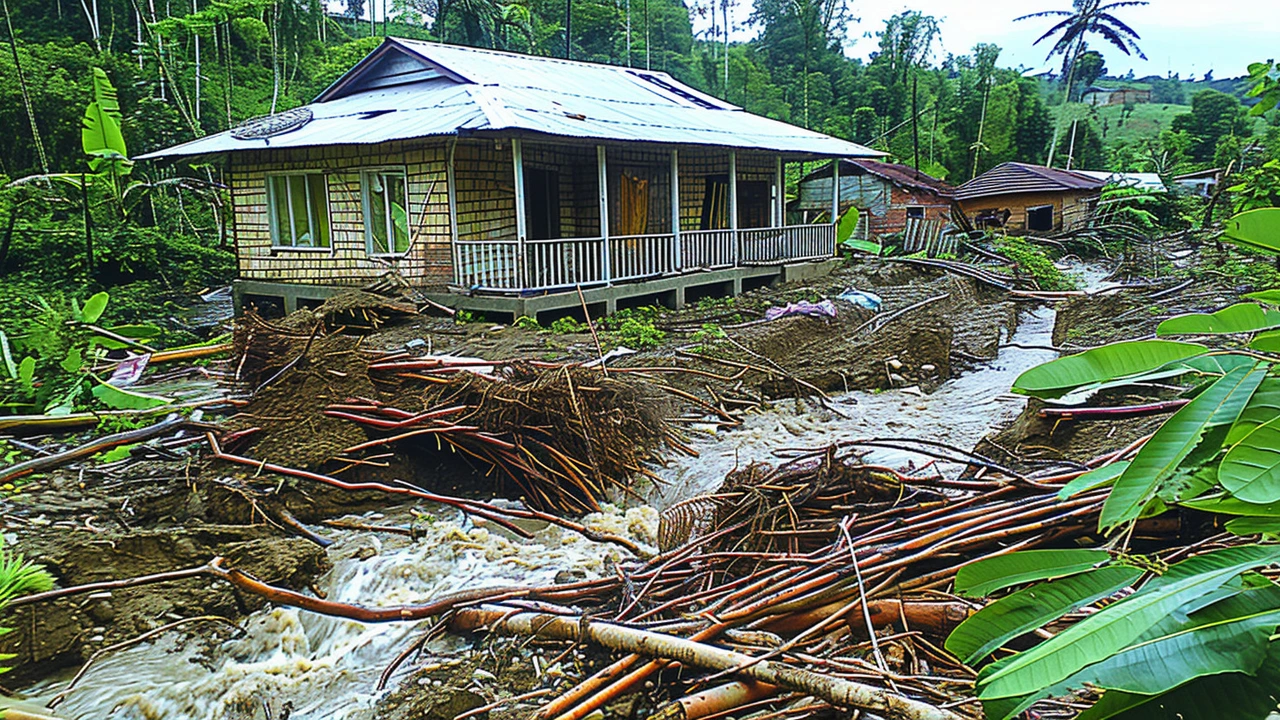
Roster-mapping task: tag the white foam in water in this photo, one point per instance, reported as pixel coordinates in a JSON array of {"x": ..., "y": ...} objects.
[{"x": 328, "y": 668}]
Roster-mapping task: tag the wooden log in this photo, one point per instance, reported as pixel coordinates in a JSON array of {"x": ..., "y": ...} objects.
[
  {"x": 621, "y": 638},
  {"x": 48, "y": 462}
]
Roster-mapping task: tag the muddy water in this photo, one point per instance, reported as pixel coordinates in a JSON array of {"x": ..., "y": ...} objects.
[
  {"x": 327, "y": 668},
  {"x": 959, "y": 413}
]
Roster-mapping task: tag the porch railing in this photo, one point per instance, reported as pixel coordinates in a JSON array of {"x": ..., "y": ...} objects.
[
  {"x": 765, "y": 246},
  {"x": 639, "y": 256},
  {"x": 496, "y": 265},
  {"x": 706, "y": 249},
  {"x": 565, "y": 262},
  {"x": 488, "y": 264}
]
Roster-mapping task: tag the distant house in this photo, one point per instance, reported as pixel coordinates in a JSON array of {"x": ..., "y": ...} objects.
[
  {"x": 1150, "y": 182},
  {"x": 503, "y": 183},
  {"x": 887, "y": 194},
  {"x": 1115, "y": 95},
  {"x": 1029, "y": 198},
  {"x": 1202, "y": 182}
]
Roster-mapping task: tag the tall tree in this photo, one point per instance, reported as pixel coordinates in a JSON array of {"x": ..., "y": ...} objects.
[{"x": 1087, "y": 17}]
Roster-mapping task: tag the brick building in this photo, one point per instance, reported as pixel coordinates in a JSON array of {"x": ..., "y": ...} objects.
[{"x": 886, "y": 194}]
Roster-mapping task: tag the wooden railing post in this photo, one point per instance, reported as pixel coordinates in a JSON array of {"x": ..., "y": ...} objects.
[
  {"x": 780, "y": 188},
  {"x": 604, "y": 213},
  {"x": 517, "y": 159},
  {"x": 733, "y": 204},
  {"x": 677, "y": 256},
  {"x": 835, "y": 198}
]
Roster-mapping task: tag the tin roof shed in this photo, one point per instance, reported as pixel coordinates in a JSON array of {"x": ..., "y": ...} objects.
[{"x": 409, "y": 89}]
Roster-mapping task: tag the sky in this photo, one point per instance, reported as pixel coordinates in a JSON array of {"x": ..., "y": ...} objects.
[{"x": 1188, "y": 37}]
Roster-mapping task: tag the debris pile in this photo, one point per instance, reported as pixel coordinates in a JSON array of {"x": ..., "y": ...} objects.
[{"x": 565, "y": 435}]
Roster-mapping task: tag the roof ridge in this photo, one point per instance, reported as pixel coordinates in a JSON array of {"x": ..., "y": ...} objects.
[{"x": 526, "y": 56}]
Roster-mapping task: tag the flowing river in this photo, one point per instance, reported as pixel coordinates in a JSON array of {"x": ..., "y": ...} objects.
[{"x": 329, "y": 668}]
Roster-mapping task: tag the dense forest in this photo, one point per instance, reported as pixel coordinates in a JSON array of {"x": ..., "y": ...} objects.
[{"x": 184, "y": 69}]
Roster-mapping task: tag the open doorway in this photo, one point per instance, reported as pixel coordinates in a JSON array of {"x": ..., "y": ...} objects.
[{"x": 1040, "y": 219}]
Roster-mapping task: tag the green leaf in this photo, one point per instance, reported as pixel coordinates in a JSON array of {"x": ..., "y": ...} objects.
[
  {"x": 124, "y": 399},
  {"x": 1105, "y": 633},
  {"x": 1032, "y": 607},
  {"x": 1251, "y": 469},
  {"x": 1102, "y": 364},
  {"x": 847, "y": 225},
  {"x": 1256, "y": 228},
  {"x": 1239, "y": 318},
  {"x": 1174, "y": 440},
  {"x": 1267, "y": 342},
  {"x": 9, "y": 365},
  {"x": 73, "y": 361},
  {"x": 115, "y": 454},
  {"x": 984, "y": 577},
  {"x": 1096, "y": 478},
  {"x": 94, "y": 307},
  {"x": 1230, "y": 635},
  {"x": 100, "y": 132},
  {"x": 1263, "y": 407},
  {"x": 1227, "y": 505},
  {"x": 1269, "y": 297},
  {"x": 1245, "y": 526},
  {"x": 27, "y": 374}
]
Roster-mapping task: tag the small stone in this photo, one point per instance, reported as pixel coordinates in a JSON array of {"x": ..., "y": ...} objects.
[
  {"x": 365, "y": 553},
  {"x": 894, "y": 364},
  {"x": 928, "y": 368},
  {"x": 897, "y": 379}
]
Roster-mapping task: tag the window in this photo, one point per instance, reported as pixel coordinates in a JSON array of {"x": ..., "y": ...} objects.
[
  {"x": 299, "y": 210},
  {"x": 1040, "y": 219},
  {"x": 386, "y": 219},
  {"x": 915, "y": 212}
]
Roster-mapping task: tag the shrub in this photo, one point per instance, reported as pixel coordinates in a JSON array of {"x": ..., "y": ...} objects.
[
  {"x": 640, "y": 335},
  {"x": 1036, "y": 263}
]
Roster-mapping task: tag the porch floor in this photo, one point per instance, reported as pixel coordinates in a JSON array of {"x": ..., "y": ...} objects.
[{"x": 672, "y": 292}]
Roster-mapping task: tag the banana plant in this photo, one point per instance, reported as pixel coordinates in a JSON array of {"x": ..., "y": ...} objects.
[{"x": 1193, "y": 640}]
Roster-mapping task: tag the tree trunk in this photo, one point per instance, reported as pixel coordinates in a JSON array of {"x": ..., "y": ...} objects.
[
  {"x": 88, "y": 223},
  {"x": 26, "y": 94},
  {"x": 7, "y": 239}
]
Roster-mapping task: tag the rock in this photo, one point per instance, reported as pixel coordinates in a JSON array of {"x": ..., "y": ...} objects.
[
  {"x": 928, "y": 368},
  {"x": 894, "y": 364},
  {"x": 897, "y": 380}
]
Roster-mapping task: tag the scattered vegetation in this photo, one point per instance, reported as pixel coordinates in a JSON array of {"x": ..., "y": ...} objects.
[{"x": 1035, "y": 262}]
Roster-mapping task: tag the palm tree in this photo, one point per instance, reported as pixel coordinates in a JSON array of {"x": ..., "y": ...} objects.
[{"x": 1086, "y": 17}]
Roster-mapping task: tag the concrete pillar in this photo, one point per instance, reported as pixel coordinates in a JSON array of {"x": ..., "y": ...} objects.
[
  {"x": 835, "y": 190},
  {"x": 522, "y": 234},
  {"x": 780, "y": 193},
  {"x": 677, "y": 257},
  {"x": 733, "y": 203}
]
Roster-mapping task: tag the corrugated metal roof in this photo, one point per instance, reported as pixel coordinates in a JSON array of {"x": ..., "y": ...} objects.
[
  {"x": 486, "y": 91},
  {"x": 1012, "y": 177},
  {"x": 1141, "y": 181}
]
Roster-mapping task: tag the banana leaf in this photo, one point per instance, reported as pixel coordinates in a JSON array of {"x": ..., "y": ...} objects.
[
  {"x": 1103, "y": 364},
  {"x": 1256, "y": 228},
  {"x": 1109, "y": 631},
  {"x": 984, "y": 577},
  {"x": 1269, "y": 297},
  {"x": 1023, "y": 611},
  {"x": 1238, "y": 318},
  {"x": 1267, "y": 342},
  {"x": 1173, "y": 442},
  {"x": 1096, "y": 478}
]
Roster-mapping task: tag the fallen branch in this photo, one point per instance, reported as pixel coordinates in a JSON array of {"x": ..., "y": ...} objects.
[
  {"x": 839, "y": 692},
  {"x": 97, "y": 445},
  {"x": 1122, "y": 411}
]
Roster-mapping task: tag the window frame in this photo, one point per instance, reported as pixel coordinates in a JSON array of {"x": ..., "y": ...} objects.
[
  {"x": 923, "y": 210},
  {"x": 366, "y": 211},
  {"x": 1053, "y": 221},
  {"x": 273, "y": 223}
]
